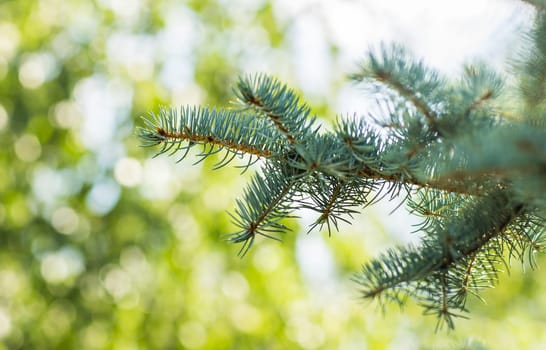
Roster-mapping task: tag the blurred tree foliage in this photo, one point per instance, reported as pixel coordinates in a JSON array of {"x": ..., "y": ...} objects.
[{"x": 102, "y": 250}]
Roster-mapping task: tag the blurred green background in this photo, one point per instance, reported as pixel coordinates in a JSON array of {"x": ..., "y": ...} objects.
[{"x": 103, "y": 247}]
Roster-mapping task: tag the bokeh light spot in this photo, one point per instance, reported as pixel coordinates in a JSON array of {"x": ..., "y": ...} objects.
[
  {"x": 28, "y": 148},
  {"x": 117, "y": 282},
  {"x": 235, "y": 286},
  {"x": 95, "y": 336},
  {"x": 105, "y": 104},
  {"x": 36, "y": 69},
  {"x": 9, "y": 40},
  {"x": 67, "y": 115},
  {"x": 158, "y": 179},
  {"x": 133, "y": 52},
  {"x": 3, "y": 115},
  {"x": 126, "y": 10},
  {"x": 18, "y": 211},
  {"x": 58, "y": 319},
  {"x": 5, "y": 323},
  {"x": 65, "y": 220},
  {"x": 192, "y": 334},
  {"x": 48, "y": 184},
  {"x": 128, "y": 172},
  {"x": 11, "y": 282},
  {"x": 59, "y": 266},
  {"x": 246, "y": 317},
  {"x": 103, "y": 196}
]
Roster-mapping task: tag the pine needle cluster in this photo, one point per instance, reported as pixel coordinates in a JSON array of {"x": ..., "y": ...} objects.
[{"x": 469, "y": 155}]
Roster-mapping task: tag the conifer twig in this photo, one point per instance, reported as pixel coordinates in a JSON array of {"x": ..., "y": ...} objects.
[{"x": 476, "y": 178}]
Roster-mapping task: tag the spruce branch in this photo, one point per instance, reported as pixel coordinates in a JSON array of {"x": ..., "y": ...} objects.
[
  {"x": 236, "y": 133},
  {"x": 474, "y": 156},
  {"x": 275, "y": 101},
  {"x": 336, "y": 200},
  {"x": 482, "y": 85},
  {"x": 395, "y": 68},
  {"x": 265, "y": 203},
  {"x": 447, "y": 257},
  {"x": 540, "y": 5},
  {"x": 532, "y": 63},
  {"x": 477, "y": 179}
]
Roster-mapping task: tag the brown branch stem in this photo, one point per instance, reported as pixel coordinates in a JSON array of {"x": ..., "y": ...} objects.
[{"x": 169, "y": 136}]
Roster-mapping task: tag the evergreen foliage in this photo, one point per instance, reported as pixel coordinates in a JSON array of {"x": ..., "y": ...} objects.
[{"x": 471, "y": 164}]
